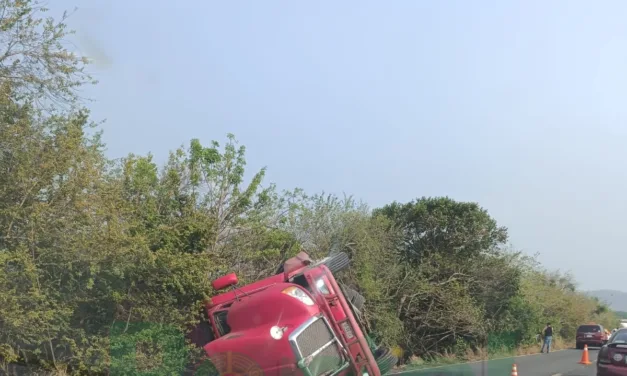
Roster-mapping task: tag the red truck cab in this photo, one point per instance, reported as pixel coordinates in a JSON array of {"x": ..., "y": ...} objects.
[{"x": 297, "y": 322}]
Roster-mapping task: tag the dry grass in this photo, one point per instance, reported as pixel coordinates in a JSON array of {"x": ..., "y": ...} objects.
[{"x": 557, "y": 344}]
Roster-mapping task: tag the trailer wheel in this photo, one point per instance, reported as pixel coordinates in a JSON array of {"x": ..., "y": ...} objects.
[
  {"x": 354, "y": 297},
  {"x": 385, "y": 360},
  {"x": 337, "y": 262}
]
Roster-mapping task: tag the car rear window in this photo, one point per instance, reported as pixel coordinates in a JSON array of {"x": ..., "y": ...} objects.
[
  {"x": 620, "y": 337},
  {"x": 589, "y": 329}
]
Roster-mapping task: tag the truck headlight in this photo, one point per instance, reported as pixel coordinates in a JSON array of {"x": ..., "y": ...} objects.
[
  {"x": 299, "y": 294},
  {"x": 277, "y": 332}
]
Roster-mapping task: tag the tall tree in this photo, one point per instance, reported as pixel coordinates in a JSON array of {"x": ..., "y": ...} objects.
[
  {"x": 48, "y": 191},
  {"x": 34, "y": 59},
  {"x": 451, "y": 252},
  {"x": 444, "y": 226},
  {"x": 217, "y": 178}
]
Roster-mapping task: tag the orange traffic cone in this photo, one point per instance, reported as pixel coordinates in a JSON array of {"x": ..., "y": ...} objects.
[
  {"x": 514, "y": 370},
  {"x": 584, "y": 357}
]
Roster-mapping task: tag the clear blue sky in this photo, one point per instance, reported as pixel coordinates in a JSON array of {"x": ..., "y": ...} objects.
[{"x": 518, "y": 105}]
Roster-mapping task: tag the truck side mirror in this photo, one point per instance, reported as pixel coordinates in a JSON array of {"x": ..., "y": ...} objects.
[{"x": 225, "y": 281}]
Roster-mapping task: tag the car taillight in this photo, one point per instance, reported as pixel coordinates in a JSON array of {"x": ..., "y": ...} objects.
[{"x": 604, "y": 355}]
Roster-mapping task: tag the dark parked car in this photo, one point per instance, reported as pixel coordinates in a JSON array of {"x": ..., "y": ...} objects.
[
  {"x": 612, "y": 359},
  {"x": 591, "y": 335}
]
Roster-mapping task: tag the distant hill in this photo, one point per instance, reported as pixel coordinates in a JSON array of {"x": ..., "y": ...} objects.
[{"x": 617, "y": 300}]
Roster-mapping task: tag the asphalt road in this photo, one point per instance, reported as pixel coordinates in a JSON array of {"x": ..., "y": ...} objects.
[{"x": 559, "y": 363}]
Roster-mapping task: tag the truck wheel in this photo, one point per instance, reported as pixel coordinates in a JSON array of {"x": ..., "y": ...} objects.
[
  {"x": 385, "y": 360},
  {"x": 354, "y": 297},
  {"x": 337, "y": 262}
]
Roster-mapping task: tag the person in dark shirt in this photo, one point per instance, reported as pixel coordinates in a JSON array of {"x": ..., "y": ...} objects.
[{"x": 548, "y": 337}]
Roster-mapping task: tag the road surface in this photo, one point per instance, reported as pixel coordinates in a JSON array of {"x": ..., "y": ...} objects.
[{"x": 559, "y": 363}]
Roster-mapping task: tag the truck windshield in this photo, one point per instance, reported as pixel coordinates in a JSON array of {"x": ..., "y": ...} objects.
[
  {"x": 220, "y": 320},
  {"x": 302, "y": 281}
]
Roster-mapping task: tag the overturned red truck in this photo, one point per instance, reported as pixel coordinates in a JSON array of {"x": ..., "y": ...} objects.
[{"x": 300, "y": 321}]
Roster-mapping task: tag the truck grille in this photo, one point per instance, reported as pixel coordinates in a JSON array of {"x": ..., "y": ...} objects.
[
  {"x": 312, "y": 339},
  {"x": 327, "y": 360}
]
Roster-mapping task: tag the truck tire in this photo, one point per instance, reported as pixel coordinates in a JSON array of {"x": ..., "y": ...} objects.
[
  {"x": 355, "y": 298},
  {"x": 337, "y": 262},
  {"x": 385, "y": 360}
]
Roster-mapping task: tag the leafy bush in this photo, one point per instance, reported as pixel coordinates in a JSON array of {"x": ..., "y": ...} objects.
[{"x": 89, "y": 244}]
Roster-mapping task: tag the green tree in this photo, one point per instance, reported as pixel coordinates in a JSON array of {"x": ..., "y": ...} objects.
[
  {"x": 324, "y": 224},
  {"x": 98, "y": 258},
  {"x": 34, "y": 59},
  {"x": 442, "y": 225},
  {"x": 48, "y": 189},
  {"x": 457, "y": 282}
]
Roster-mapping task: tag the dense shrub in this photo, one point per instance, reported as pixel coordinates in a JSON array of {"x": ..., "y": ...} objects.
[{"x": 100, "y": 259}]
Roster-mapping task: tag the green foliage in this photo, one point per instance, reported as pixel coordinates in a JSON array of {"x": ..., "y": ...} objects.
[
  {"x": 457, "y": 283},
  {"x": 89, "y": 247},
  {"x": 444, "y": 226},
  {"x": 325, "y": 223},
  {"x": 87, "y": 242},
  {"x": 34, "y": 59},
  {"x": 147, "y": 349}
]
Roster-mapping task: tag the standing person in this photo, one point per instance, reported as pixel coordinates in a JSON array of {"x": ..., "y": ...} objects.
[{"x": 548, "y": 337}]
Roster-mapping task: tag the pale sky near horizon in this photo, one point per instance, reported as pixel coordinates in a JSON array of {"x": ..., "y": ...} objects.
[{"x": 517, "y": 105}]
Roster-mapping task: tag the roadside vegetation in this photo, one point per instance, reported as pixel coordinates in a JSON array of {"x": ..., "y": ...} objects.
[{"x": 97, "y": 255}]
